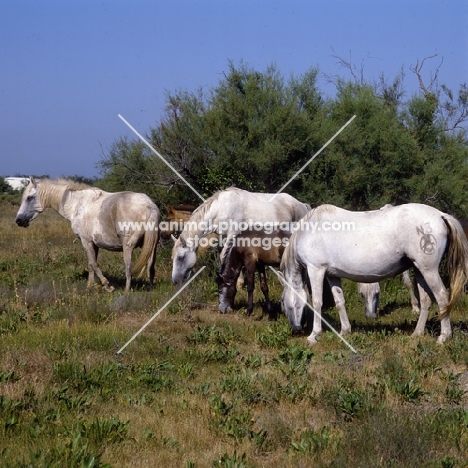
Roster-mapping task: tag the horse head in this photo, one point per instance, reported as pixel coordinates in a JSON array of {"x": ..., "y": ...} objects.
[
  {"x": 293, "y": 301},
  {"x": 30, "y": 204},
  {"x": 370, "y": 295},
  {"x": 227, "y": 277},
  {"x": 226, "y": 293},
  {"x": 183, "y": 260}
]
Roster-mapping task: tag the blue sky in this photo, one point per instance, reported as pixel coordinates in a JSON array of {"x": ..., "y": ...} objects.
[{"x": 69, "y": 67}]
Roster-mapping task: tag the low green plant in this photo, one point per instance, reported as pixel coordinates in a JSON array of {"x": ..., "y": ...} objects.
[
  {"x": 314, "y": 442},
  {"x": 231, "y": 461}
]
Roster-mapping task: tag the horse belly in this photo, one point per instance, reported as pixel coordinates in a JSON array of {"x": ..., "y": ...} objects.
[
  {"x": 367, "y": 272},
  {"x": 356, "y": 257},
  {"x": 107, "y": 242}
]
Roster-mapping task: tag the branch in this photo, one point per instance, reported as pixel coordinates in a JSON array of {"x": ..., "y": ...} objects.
[
  {"x": 417, "y": 71},
  {"x": 357, "y": 74}
]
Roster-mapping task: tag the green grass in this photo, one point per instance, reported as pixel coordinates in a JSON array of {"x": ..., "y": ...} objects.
[{"x": 200, "y": 389}]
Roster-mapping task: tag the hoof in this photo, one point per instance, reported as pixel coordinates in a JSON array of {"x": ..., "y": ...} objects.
[
  {"x": 442, "y": 339},
  {"x": 109, "y": 289},
  {"x": 312, "y": 340}
]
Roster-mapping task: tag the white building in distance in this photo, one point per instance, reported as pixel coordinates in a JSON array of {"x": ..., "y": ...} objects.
[{"x": 17, "y": 183}]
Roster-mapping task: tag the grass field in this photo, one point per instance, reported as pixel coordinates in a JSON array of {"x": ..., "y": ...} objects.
[{"x": 200, "y": 389}]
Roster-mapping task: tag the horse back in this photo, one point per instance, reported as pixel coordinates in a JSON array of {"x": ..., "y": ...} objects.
[
  {"x": 348, "y": 241},
  {"x": 107, "y": 218},
  {"x": 126, "y": 207}
]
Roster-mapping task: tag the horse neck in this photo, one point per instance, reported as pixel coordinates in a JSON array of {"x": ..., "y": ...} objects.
[
  {"x": 293, "y": 272},
  {"x": 200, "y": 224},
  {"x": 51, "y": 196},
  {"x": 68, "y": 201}
]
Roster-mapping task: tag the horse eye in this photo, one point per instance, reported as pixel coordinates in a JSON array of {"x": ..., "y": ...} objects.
[{"x": 30, "y": 198}]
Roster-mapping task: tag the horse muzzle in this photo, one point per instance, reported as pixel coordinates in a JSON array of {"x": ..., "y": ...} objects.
[
  {"x": 180, "y": 279},
  {"x": 22, "y": 222},
  {"x": 296, "y": 330}
]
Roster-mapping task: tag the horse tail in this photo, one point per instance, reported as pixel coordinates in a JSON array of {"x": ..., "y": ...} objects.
[
  {"x": 457, "y": 261},
  {"x": 150, "y": 242}
]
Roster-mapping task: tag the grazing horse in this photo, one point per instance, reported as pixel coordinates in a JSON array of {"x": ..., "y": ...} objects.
[
  {"x": 370, "y": 293},
  {"x": 228, "y": 213},
  {"x": 113, "y": 221},
  {"x": 367, "y": 247},
  {"x": 250, "y": 251},
  {"x": 175, "y": 219}
]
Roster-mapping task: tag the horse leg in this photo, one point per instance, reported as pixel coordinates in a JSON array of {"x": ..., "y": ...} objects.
[
  {"x": 264, "y": 287},
  {"x": 250, "y": 273},
  {"x": 338, "y": 296},
  {"x": 127, "y": 256},
  {"x": 316, "y": 277},
  {"x": 92, "y": 254},
  {"x": 427, "y": 283},
  {"x": 241, "y": 280},
  {"x": 409, "y": 286}
]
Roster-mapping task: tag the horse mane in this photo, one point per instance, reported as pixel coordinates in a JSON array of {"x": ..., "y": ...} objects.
[
  {"x": 288, "y": 260},
  {"x": 198, "y": 215},
  {"x": 53, "y": 190},
  {"x": 321, "y": 210}
]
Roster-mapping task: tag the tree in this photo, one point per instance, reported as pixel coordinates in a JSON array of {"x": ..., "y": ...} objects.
[
  {"x": 256, "y": 129},
  {"x": 4, "y": 186},
  {"x": 260, "y": 128}
]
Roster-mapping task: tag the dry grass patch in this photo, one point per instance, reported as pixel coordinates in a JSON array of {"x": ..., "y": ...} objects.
[{"x": 201, "y": 389}]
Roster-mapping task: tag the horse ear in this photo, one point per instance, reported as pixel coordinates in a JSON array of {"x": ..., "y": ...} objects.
[
  {"x": 170, "y": 209},
  {"x": 174, "y": 238},
  {"x": 33, "y": 181}
]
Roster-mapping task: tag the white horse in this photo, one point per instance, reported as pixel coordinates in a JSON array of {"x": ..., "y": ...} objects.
[
  {"x": 370, "y": 293},
  {"x": 228, "y": 213},
  {"x": 367, "y": 247},
  {"x": 113, "y": 221}
]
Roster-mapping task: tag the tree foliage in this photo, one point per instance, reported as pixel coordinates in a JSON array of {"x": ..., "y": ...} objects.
[
  {"x": 255, "y": 130},
  {"x": 5, "y": 186}
]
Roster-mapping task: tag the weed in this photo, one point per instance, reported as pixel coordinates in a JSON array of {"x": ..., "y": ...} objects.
[
  {"x": 453, "y": 392},
  {"x": 395, "y": 377},
  {"x": 231, "y": 461},
  {"x": 103, "y": 431},
  {"x": 314, "y": 442},
  {"x": 196, "y": 386},
  {"x": 253, "y": 361},
  {"x": 458, "y": 348},
  {"x": 276, "y": 335},
  {"x": 9, "y": 376},
  {"x": 220, "y": 355}
]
